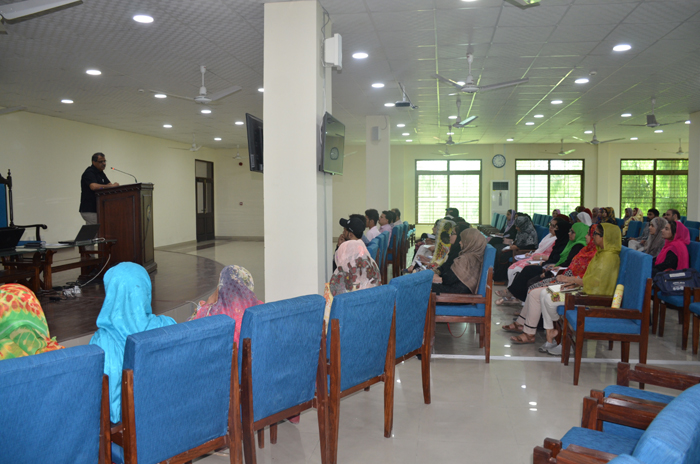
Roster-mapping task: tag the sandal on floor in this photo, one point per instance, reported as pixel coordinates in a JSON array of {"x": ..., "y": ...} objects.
[
  {"x": 512, "y": 328},
  {"x": 519, "y": 341},
  {"x": 504, "y": 293}
]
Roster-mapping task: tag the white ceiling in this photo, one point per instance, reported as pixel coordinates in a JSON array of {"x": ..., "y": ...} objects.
[{"x": 44, "y": 59}]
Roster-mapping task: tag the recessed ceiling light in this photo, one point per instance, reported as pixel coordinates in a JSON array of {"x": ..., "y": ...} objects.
[
  {"x": 688, "y": 121},
  {"x": 533, "y": 409},
  {"x": 622, "y": 47},
  {"x": 389, "y": 104},
  {"x": 506, "y": 346},
  {"x": 401, "y": 125},
  {"x": 588, "y": 132},
  {"x": 557, "y": 102},
  {"x": 468, "y": 0},
  {"x": 509, "y": 140},
  {"x": 634, "y": 138},
  {"x": 626, "y": 115},
  {"x": 523, "y": 386},
  {"x": 529, "y": 123},
  {"x": 533, "y": 403},
  {"x": 143, "y": 19},
  {"x": 160, "y": 95},
  {"x": 582, "y": 80},
  {"x": 409, "y": 140},
  {"x": 506, "y": 356},
  {"x": 406, "y": 134},
  {"x": 238, "y": 123},
  {"x": 205, "y": 111},
  {"x": 66, "y": 101},
  {"x": 377, "y": 85},
  {"x": 461, "y": 82},
  {"x": 360, "y": 55},
  {"x": 218, "y": 139},
  {"x": 261, "y": 89},
  {"x": 168, "y": 126},
  {"x": 94, "y": 72},
  {"x": 450, "y": 133},
  {"x": 452, "y": 117},
  {"x": 658, "y": 131},
  {"x": 538, "y": 116}
]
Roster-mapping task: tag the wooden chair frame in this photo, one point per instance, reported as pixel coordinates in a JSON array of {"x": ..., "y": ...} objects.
[
  {"x": 425, "y": 350},
  {"x": 336, "y": 394},
  {"x": 124, "y": 433},
  {"x": 658, "y": 314},
  {"x": 320, "y": 402},
  {"x": 483, "y": 322},
  {"x": 596, "y": 306},
  {"x": 690, "y": 295},
  {"x": 105, "y": 442}
]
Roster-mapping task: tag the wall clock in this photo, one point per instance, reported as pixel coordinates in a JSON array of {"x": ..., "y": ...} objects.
[{"x": 499, "y": 161}]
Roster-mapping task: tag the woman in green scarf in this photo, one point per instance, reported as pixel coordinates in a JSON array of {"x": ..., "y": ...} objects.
[{"x": 577, "y": 242}]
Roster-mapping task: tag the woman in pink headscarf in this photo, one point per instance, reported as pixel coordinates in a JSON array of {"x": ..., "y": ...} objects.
[
  {"x": 674, "y": 254},
  {"x": 232, "y": 297}
]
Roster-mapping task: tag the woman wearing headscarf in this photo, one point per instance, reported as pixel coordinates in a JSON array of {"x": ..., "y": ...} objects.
[
  {"x": 356, "y": 271},
  {"x": 526, "y": 239},
  {"x": 655, "y": 242},
  {"x": 126, "y": 310},
  {"x": 508, "y": 231},
  {"x": 442, "y": 246},
  {"x": 599, "y": 278},
  {"x": 233, "y": 295},
  {"x": 573, "y": 216},
  {"x": 556, "y": 212},
  {"x": 455, "y": 248},
  {"x": 629, "y": 216},
  {"x": 674, "y": 254},
  {"x": 607, "y": 215},
  {"x": 541, "y": 253},
  {"x": 584, "y": 218},
  {"x": 23, "y": 327},
  {"x": 465, "y": 272}
]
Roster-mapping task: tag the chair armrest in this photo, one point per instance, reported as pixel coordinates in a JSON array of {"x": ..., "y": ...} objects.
[
  {"x": 652, "y": 405},
  {"x": 38, "y": 226},
  {"x": 622, "y": 412},
  {"x": 610, "y": 313},
  {"x": 575, "y": 454},
  {"x": 590, "y": 300},
  {"x": 656, "y": 375},
  {"x": 459, "y": 298}
]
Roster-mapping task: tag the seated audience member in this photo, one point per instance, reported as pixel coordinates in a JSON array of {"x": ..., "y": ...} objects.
[
  {"x": 464, "y": 274},
  {"x": 674, "y": 254},
  {"x": 525, "y": 240},
  {"x": 455, "y": 248},
  {"x": 563, "y": 217},
  {"x": 397, "y": 219},
  {"x": 508, "y": 231},
  {"x": 232, "y": 297},
  {"x": 541, "y": 253},
  {"x": 353, "y": 229},
  {"x": 656, "y": 241},
  {"x": 425, "y": 237},
  {"x": 599, "y": 278},
  {"x": 626, "y": 220},
  {"x": 126, "y": 310},
  {"x": 451, "y": 213},
  {"x": 556, "y": 213},
  {"x": 595, "y": 215},
  {"x": 442, "y": 244},
  {"x": 23, "y": 327},
  {"x": 385, "y": 221},
  {"x": 372, "y": 223},
  {"x": 573, "y": 217},
  {"x": 356, "y": 271},
  {"x": 607, "y": 215},
  {"x": 585, "y": 218},
  {"x": 672, "y": 215},
  {"x": 638, "y": 243}
]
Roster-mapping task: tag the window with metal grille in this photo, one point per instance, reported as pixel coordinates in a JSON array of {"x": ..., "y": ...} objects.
[
  {"x": 660, "y": 184},
  {"x": 544, "y": 185},
  {"x": 441, "y": 184}
]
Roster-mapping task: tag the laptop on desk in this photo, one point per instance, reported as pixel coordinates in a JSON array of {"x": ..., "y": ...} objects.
[
  {"x": 85, "y": 234},
  {"x": 9, "y": 238}
]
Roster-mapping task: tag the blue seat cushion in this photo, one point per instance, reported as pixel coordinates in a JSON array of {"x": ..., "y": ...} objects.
[
  {"x": 460, "y": 310},
  {"x": 625, "y": 459},
  {"x": 600, "y": 441},
  {"x": 695, "y": 308},
  {"x": 605, "y": 325},
  {"x": 673, "y": 300}
]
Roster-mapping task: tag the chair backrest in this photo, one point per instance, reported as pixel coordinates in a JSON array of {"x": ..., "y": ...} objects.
[
  {"x": 542, "y": 232},
  {"x": 365, "y": 323},
  {"x": 694, "y": 255},
  {"x": 547, "y": 220},
  {"x": 694, "y": 233},
  {"x": 385, "y": 245},
  {"x": 285, "y": 341},
  {"x": 674, "y": 434},
  {"x": 51, "y": 406},
  {"x": 536, "y": 219},
  {"x": 634, "y": 229},
  {"x": 489, "y": 259},
  {"x": 635, "y": 269},
  {"x": 494, "y": 219},
  {"x": 182, "y": 382},
  {"x": 501, "y": 221},
  {"x": 683, "y": 219},
  {"x": 373, "y": 247},
  {"x": 4, "y": 222},
  {"x": 620, "y": 222},
  {"x": 693, "y": 224},
  {"x": 412, "y": 297}
]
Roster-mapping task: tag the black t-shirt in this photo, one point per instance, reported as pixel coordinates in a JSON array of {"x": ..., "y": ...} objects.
[{"x": 88, "y": 200}]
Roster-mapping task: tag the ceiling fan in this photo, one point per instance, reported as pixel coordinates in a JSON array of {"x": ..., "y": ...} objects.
[
  {"x": 562, "y": 152},
  {"x": 651, "y": 119},
  {"x": 18, "y": 11},
  {"x": 449, "y": 140},
  {"x": 468, "y": 86},
  {"x": 594, "y": 140},
  {"x": 680, "y": 151},
  {"x": 447, "y": 153},
  {"x": 462, "y": 123},
  {"x": 204, "y": 98},
  {"x": 194, "y": 147}
]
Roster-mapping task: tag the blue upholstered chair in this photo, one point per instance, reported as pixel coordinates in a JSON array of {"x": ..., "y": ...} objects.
[
  {"x": 494, "y": 219},
  {"x": 180, "y": 393},
  {"x": 55, "y": 407},
  {"x": 471, "y": 308},
  {"x": 536, "y": 219},
  {"x": 386, "y": 237},
  {"x": 684, "y": 219},
  {"x": 373, "y": 248},
  {"x": 363, "y": 329},
  {"x": 620, "y": 222},
  {"x": 692, "y": 224},
  {"x": 679, "y": 302},
  {"x": 283, "y": 367},
  {"x": 691, "y": 309},
  {"x": 542, "y": 232},
  {"x": 694, "y": 234},
  {"x": 414, "y": 321},
  {"x": 592, "y": 318},
  {"x": 634, "y": 229},
  {"x": 547, "y": 220},
  {"x": 501, "y": 221}
]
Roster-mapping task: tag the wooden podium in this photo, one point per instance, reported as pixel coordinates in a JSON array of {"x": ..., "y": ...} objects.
[{"x": 125, "y": 213}]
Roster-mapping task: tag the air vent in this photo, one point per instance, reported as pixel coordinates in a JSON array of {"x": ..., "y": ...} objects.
[{"x": 500, "y": 185}]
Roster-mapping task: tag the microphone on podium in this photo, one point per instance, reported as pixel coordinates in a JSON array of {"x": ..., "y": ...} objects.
[{"x": 124, "y": 172}]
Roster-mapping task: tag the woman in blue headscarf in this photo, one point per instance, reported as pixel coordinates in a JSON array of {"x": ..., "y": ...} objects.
[{"x": 125, "y": 311}]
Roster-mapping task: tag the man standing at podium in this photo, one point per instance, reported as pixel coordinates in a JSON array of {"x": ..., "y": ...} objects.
[{"x": 93, "y": 179}]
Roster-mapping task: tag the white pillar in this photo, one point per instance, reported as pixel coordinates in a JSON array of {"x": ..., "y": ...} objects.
[
  {"x": 694, "y": 167},
  {"x": 378, "y": 153},
  {"x": 298, "y": 198}
]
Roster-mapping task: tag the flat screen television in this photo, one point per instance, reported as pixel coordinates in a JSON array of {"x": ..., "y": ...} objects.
[
  {"x": 254, "y": 127},
  {"x": 333, "y": 145}
]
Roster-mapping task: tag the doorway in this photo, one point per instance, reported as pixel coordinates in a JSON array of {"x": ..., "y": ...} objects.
[{"x": 204, "y": 181}]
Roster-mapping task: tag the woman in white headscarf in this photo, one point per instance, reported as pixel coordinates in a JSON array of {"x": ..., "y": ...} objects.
[{"x": 585, "y": 218}]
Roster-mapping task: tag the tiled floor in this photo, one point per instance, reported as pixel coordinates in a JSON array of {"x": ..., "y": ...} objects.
[{"x": 480, "y": 412}]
